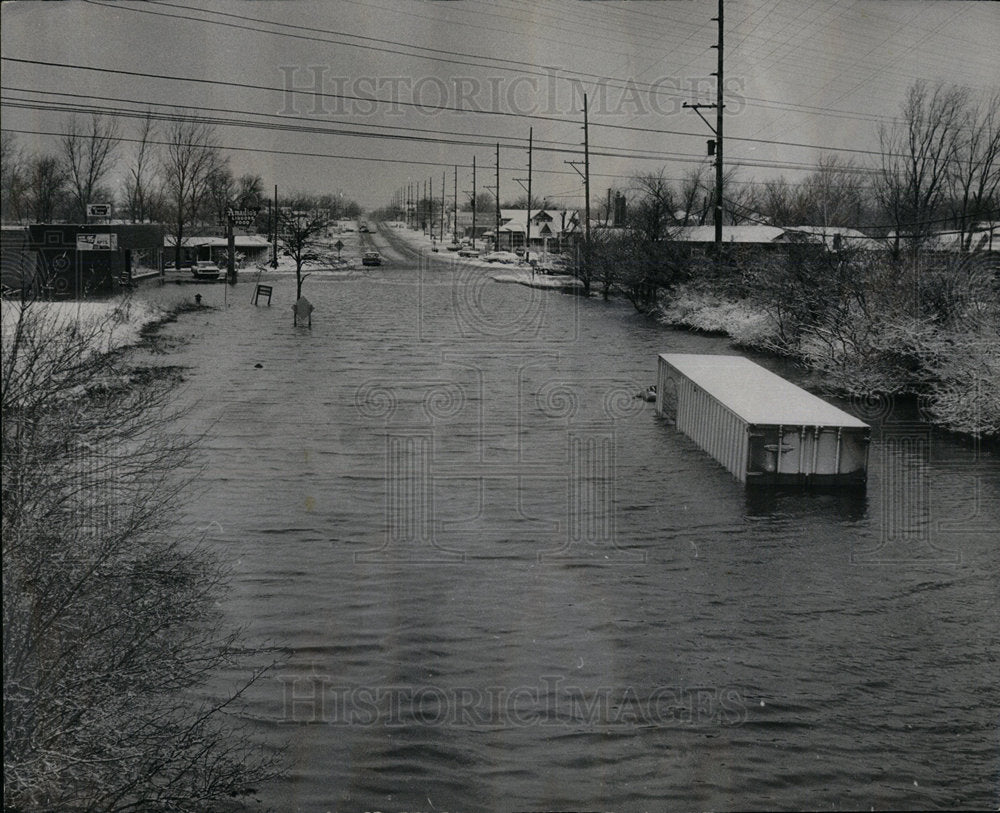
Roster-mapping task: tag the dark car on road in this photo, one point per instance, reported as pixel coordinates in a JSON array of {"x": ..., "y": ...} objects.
[{"x": 371, "y": 258}]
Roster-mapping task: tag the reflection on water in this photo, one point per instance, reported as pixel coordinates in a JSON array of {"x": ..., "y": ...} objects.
[
  {"x": 503, "y": 583},
  {"x": 844, "y": 504}
]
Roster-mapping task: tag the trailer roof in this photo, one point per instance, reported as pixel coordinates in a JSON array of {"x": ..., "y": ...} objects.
[{"x": 756, "y": 394}]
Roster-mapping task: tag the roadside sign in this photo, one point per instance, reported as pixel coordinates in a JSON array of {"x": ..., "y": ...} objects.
[
  {"x": 243, "y": 218},
  {"x": 99, "y": 210},
  {"x": 97, "y": 242},
  {"x": 338, "y": 245}
]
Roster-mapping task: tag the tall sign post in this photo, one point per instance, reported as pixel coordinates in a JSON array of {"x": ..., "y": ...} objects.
[
  {"x": 243, "y": 218},
  {"x": 99, "y": 211}
]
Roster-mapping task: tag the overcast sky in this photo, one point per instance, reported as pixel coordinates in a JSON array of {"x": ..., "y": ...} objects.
[{"x": 819, "y": 74}]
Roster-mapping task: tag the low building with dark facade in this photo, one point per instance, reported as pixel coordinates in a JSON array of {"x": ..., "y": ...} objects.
[{"x": 76, "y": 261}]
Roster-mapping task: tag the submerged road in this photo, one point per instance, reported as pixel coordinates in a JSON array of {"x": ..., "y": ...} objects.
[{"x": 500, "y": 582}]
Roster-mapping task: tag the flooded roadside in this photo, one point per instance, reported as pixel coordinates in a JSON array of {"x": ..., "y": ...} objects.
[{"x": 499, "y": 580}]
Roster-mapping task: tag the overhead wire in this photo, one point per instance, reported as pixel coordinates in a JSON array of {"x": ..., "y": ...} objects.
[
  {"x": 522, "y": 66},
  {"x": 449, "y": 108},
  {"x": 242, "y": 123}
]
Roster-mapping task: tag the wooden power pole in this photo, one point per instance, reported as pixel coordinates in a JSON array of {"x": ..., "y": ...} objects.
[{"x": 715, "y": 146}]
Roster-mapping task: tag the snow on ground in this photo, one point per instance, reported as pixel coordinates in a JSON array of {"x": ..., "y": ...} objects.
[
  {"x": 520, "y": 273},
  {"x": 347, "y": 259},
  {"x": 286, "y": 265},
  {"x": 524, "y": 276},
  {"x": 112, "y": 323},
  {"x": 697, "y": 310}
]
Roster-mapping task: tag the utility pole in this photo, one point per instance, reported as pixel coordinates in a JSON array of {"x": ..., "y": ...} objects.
[
  {"x": 527, "y": 232},
  {"x": 454, "y": 225},
  {"x": 718, "y": 146},
  {"x": 442, "y": 207},
  {"x": 527, "y": 229},
  {"x": 230, "y": 248},
  {"x": 715, "y": 145},
  {"x": 586, "y": 186},
  {"x": 495, "y": 191},
  {"x": 430, "y": 213},
  {"x": 473, "y": 201},
  {"x": 586, "y": 173},
  {"x": 274, "y": 245},
  {"x": 496, "y": 233}
]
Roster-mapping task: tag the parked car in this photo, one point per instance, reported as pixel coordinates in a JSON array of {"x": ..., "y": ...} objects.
[
  {"x": 468, "y": 252},
  {"x": 453, "y": 246},
  {"x": 205, "y": 269},
  {"x": 371, "y": 258}
]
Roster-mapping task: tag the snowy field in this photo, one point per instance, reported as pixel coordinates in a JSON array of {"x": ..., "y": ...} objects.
[{"x": 111, "y": 323}]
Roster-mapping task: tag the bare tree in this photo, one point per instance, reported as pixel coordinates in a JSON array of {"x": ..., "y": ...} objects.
[
  {"x": 917, "y": 151},
  {"x": 974, "y": 177},
  {"x": 220, "y": 191},
  {"x": 140, "y": 194},
  {"x": 652, "y": 211},
  {"x": 693, "y": 189},
  {"x": 88, "y": 152},
  {"x": 46, "y": 187},
  {"x": 831, "y": 195},
  {"x": 250, "y": 187},
  {"x": 109, "y": 620},
  {"x": 738, "y": 199},
  {"x": 779, "y": 202},
  {"x": 13, "y": 180},
  {"x": 300, "y": 225},
  {"x": 250, "y": 193},
  {"x": 191, "y": 155}
]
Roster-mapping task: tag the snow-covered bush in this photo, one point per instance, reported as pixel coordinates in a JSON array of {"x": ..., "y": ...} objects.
[{"x": 109, "y": 620}]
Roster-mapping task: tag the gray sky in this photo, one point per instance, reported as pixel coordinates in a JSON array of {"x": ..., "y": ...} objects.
[{"x": 797, "y": 71}]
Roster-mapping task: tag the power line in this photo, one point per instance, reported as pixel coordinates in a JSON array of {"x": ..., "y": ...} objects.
[
  {"x": 448, "y": 56},
  {"x": 45, "y": 105},
  {"x": 373, "y": 159},
  {"x": 215, "y": 120},
  {"x": 424, "y": 107}
]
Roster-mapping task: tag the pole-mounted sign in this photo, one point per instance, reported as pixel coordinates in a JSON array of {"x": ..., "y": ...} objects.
[
  {"x": 242, "y": 218},
  {"x": 99, "y": 210}
]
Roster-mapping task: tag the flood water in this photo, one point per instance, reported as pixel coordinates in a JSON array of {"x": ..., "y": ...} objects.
[{"x": 499, "y": 582}]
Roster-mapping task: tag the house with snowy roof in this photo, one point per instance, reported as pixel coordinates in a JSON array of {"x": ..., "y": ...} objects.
[
  {"x": 254, "y": 247},
  {"x": 551, "y": 229}
]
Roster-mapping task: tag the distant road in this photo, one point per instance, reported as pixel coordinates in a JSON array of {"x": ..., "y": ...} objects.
[{"x": 398, "y": 251}]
